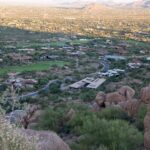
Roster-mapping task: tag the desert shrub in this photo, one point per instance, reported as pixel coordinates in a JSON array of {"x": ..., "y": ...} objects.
[
  {"x": 53, "y": 118},
  {"x": 139, "y": 122},
  {"x": 50, "y": 120},
  {"x": 13, "y": 139},
  {"x": 78, "y": 121},
  {"x": 55, "y": 88},
  {"x": 41, "y": 82},
  {"x": 112, "y": 114},
  {"x": 84, "y": 147},
  {"x": 3, "y": 87},
  {"x": 88, "y": 95},
  {"x": 114, "y": 134}
]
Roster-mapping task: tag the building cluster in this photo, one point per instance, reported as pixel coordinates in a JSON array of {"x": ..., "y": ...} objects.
[
  {"x": 134, "y": 65},
  {"x": 19, "y": 57},
  {"x": 20, "y": 83},
  {"x": 111, "y": 73}
]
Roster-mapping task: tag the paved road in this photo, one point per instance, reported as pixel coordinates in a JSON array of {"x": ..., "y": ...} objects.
[
  {"x": 105, "y": 64},
  {"x": 34, "y": 94}
]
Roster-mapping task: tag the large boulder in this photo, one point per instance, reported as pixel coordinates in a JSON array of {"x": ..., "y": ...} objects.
[
  {"x": 114, "y": 98},
  {"x": 100, "y": 98},
  {"x": 95, "y": 107},
  {"x": 127, "y": 92},
  {"x": 145, "y": 95},
  {"x": 147, "y": 140},
  {"x": 147, "y": 120},
  {"x": 131, "y": 107},
  {"x": 36, "y": 116},
  {"x": 46, "y": 140},
  {"x": 16, "y": 116},
  {"x": 147, "y": 130}
]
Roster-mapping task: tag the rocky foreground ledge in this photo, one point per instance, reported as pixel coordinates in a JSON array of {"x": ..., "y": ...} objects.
[
  {"x": 27, "y": 139},
  {"x": 46, "y": 140}
]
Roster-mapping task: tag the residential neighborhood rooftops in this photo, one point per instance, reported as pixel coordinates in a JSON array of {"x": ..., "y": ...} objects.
[
  {"x": 77, "y": 53},
  {"x": 115, "y": 57},
  {"x": 26, "y": 49},
  {"x": 134, "y": 65},
  {"x": 111, "y": 73}
]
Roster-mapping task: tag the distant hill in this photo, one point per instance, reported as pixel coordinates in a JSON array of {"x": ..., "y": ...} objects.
[
  {"x": 89, "y": 4},
  {"x": 139, "y": 4},
  {"x": 95, "y": 8},
  {"x": 104, "y": 5}
]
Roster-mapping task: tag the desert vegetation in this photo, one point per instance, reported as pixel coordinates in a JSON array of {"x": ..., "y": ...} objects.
[{"x": 73, "y": 78}]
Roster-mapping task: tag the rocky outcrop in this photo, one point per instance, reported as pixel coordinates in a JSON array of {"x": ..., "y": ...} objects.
[
  {"x": 16, "y": 116},
  {"x": 147, "y": 130},
  {"x": 25, "y": 118},
  {"x": 115, "y": 98},
  {"x": 145, "y": 95},
  {"x": 31, "y": 116},
  {"x": 46, "y": 140},
  {"x": 100, "y": 99},
  {"x": 122, "y": 98},
  {"x": 123, "y": 94},
  {"x": 127, "y": 92},
  {"x": 131, "y": 107}
]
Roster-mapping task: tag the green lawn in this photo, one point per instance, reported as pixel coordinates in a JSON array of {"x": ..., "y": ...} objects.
[
  {"x": 58, "y": 44},
  {"x": 40, "y": 66},
  {"x": 79, "y": 42}
]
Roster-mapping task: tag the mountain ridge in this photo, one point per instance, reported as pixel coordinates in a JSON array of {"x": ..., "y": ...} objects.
[
  {"x": 85, "y": 3},
  {"x": 139, "y": 4}
]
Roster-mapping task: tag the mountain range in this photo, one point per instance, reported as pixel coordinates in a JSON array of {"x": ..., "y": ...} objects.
[
  {"x": 110, "y": 3},
  {"x": 140, "y": 3},
  {"x": 81, "y": 3}
]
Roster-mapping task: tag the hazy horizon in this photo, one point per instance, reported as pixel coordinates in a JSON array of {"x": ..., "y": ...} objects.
[{"x": 58, "y": 2}]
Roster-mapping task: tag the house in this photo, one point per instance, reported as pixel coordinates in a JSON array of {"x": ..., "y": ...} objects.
[
  {"x": 10, "y": 47},
  {"x": 119, "y": 50},
  {"x": 19, "y": 57},
  {"x": 134, "y": 65},
  {"x": 12, "y": 74},
  {"x": 1, "y": 60},
  {"x": 142, "y": 52},
  {"x": 51, "y": 57},
  {"x": 44, "y": 48},
  {"x": 30, "y": 81},
  {"x": 81, "y": 83},
  {"x": 77, "y": 53},
  {"x": 68, "y": 48},
  {"x": 148, "y": 58},
  {"x": 20, "y": 82},
  {"x": 115, "y": 57},
  {"x": 96, "y": 83},
  {"x": 88, "y": 83},
  {"x": 83, "y": 48},
  {"x": 26, "y": 49},
  {"x": 109, "y": 42},
  {"x": 111, "y": 73}
]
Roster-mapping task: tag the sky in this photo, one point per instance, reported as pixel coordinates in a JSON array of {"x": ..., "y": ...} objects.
[{"x": 59, "y": 2}]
